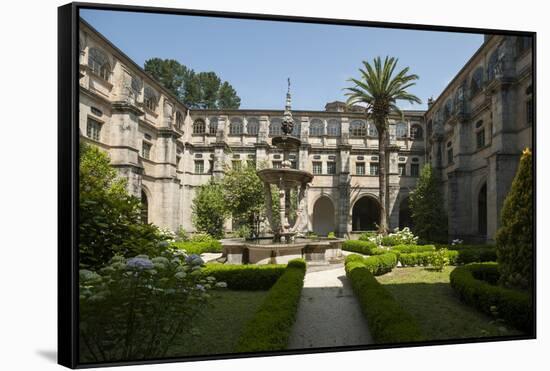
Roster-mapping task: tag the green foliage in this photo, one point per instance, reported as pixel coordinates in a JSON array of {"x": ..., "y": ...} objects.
[
  {"x": 439, "y": 259},
  {"x": 203, "y": 90},
  {"x": 362, "y": 247},
  {"x": 245, "y": 277},
  {"x": 271, "y": 326},
  {"x": 513, "y": 306},
  {"x": 209, "y": 210},
  {"x": 182, "y": 235},
  {"x": 331, "y": 235},
  {"x": 132, "y": 309},
  {"x": 376, "y": 264},
  {"x": 473, "y": 253},
  {"x": 389, "y": 241},
  {"x": 514, "y": 238},
  {"x": 366, "y": 236},
  {"x": 388, "y": 322},
  {"x": 191, "y": 247},
  {"x": 243, "y": 194},
  {"x": 426, "y": 202},
  {"x": 407, "y": 249},
  {"x": 110, "y": 218}
]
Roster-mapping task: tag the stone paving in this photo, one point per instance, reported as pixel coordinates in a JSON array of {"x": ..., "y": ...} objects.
[{"x": 328, "y": 314}]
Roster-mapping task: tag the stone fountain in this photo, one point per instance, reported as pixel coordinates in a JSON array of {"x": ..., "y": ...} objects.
[{"x": 287, "y": 242}]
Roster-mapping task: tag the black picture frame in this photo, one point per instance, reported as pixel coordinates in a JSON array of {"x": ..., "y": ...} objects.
[{"x": 68, "y": 146}]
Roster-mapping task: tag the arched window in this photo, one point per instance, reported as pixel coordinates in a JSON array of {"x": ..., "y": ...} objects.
[
  {"x": 179, "y": 120},
  {"x": 199, "y": 127},
  {"x": 150, "y": 99},
  {"x": 416, "y": 132},
  {"x": 358, "y": 129},
  {"x": 373, "y": 132},
  {"x": 253, "y": 126},
  {"x": 401, "y": 130},
  {"x": 213, "y": 125},
  {"x": 491, "y": 65},
  {"x": 476, "y": 81},
  {"x": 99, "y": 63},
  {"x": 333, "y": 128},
  {"x": 236, "y": 127},
  {"x": 316, "y": 128},
  {"x": 275, "y": 127}
]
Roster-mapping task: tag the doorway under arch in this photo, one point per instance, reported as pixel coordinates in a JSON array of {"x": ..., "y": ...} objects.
[
  {"x": 323, "y": 217},
  {"x": 405, "y": 215},
  {"x": 482, "y": 210},
  {"x": 365, "y": 214}
]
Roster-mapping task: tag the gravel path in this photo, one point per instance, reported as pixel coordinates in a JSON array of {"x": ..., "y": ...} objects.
[{"x": 328, "y": 314}]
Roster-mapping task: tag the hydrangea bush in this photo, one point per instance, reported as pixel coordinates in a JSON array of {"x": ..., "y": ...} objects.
[
  {"x": 398, "y": 237},
  {"x": 134, "y": 308}
]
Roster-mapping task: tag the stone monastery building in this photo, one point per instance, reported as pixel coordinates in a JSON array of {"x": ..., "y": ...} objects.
[{"x": 473, "y": 134}]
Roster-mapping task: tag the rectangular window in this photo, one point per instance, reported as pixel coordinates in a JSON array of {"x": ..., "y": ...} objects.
[
  {"x": 360, "y": 168},
  {"x": 449, "y": 155},
  {"x": 199, "y": 166},
  {"x": 93, "y": 128},
  {"x": 277, "y": 164},
  {"x": 317, "y": 168},
  {"x": 146, "y": 150},
  {"x": 529, "y": 111},
  {"x": 236, "y": 165},
  {"x": 415, "y": 170},
  {"x": 293, "y": 165},
  {"x": 373, "y": 168},
  {"x": 331, "y": 167},
  {"x": 402, "y": 169},
  {"x": 480, "y": 138},
  {"x": 210, "y": 166}
]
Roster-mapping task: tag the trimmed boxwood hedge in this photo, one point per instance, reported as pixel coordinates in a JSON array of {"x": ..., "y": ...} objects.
[
  {"x": 424, "y": 258},
  {"x": 270, "y": 327},
  {"x": 472, "y": 253},
  {"x": 245, "y": 277},
  {"x": 199, "y": 247},
  {"x": 514, "y": 307},
  {"x": 361, "y": 247},
  {"x": 376, "y": 264},
  {"x": 388, "y": 321}
]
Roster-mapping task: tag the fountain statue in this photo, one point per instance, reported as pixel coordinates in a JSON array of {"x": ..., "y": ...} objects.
[{"x": 287, "y": 241}]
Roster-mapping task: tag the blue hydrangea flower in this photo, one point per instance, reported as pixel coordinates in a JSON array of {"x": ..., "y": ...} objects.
[{"x": 139, "y": 263}]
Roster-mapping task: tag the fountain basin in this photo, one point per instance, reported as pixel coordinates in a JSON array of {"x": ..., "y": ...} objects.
[
  {"x": 290, "y": 177},
  {"x": 321, "y": 251}
]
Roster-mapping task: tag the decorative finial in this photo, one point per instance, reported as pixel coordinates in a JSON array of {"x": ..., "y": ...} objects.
[{"x": 288, "y": 122}]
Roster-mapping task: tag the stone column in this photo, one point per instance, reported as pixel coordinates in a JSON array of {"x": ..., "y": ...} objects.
[{"x": 344, "y": 190}]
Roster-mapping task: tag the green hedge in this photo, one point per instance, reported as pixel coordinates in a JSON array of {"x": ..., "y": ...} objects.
[
  {"x": 363, "y": 247},
  {"x": 473, "y": 253},
  {"x": 245, "y": 277},
  {"x": 514, "y": 307},
  {"x": 270, "y": 327},
  {"x": 388, "y": 322},
  {"x": 199, "y": 247},
  {"x": 424, "y": 258},
  {"x": 407, "y": 249},
  {"x": 376, "y": 264}
]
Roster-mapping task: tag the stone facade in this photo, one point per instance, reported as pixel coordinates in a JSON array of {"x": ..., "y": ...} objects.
[
  {"x": 166, "y": 150},
  {"x": 477, "y": 129}
]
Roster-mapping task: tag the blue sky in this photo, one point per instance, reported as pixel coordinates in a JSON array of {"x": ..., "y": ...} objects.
[{"x": 256, "y": 57}]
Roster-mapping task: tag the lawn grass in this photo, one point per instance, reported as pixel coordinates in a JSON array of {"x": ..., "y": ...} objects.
[
  {"x": 220, "y": 325},
  {"x": 428, "y": 296}
]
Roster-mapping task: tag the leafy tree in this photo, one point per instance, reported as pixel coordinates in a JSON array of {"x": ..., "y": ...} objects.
[
  {"x": 426, "y": 202},
  {"x": 196, "y": 90},
  {"x": 209, "y": 211},
  {"x": 110, "y": 218},
  {"x": 377, "y": 90},
  {"x": 227, "y": 97},
  {"x": 514, "y": 238},
  {"x": 243, "y": 194}
]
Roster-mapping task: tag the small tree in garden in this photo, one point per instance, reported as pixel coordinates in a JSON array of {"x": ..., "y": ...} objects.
[
  {"x": 110, "y": 218},
  {"x": 426, "y": 201},
  {"x": 514, "y": 239},
  {"x": 209, "y": 210},
  {"x": 243, "y": 195}
]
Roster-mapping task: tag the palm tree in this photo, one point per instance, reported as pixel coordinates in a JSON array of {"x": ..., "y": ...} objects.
[{"x": 378, "y": 91}]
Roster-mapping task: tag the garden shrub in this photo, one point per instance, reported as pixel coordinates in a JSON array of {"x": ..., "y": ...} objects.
[
  {"x": 366, "y": 236},
  {"x": 245, "y": 277},
  {"x": 426, "y": 258},
  {"x": 514, "y": 238},
  {"x": 513, "y": 306},
  {"x": 271, "y": 325},
  {"x": 132, "y": 309},
  {"x": 472, "y": 253},
  {"x": 376, "y": 264},
  {"x": 331, "y": 235},
  {"x": 209, "y": 210},
  {"x": 388, "y": 321},
  {"x": 390, "y": 241},
  {"x": 191, "y": 247},
  {"x": 439, "y": 259},
  {"x": 362, "y": 247}
]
